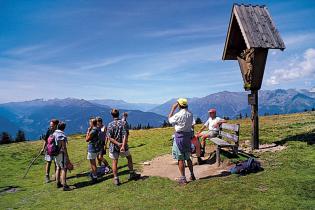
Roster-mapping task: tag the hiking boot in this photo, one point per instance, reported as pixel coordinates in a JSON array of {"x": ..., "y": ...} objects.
[
  {"x": 93, "y": 178},
  {"x": 182, "y": 181},
  {"x": 134, "y": 176},
  {"x": 66, "y": 188},
  {"x": 59, "y": 185},
  {"x": 116, "y": 182},
  {"x": 192, "y": 177},
  {"x": 47, "y": 180}
]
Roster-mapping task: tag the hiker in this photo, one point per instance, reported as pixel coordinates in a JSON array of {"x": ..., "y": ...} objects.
[
  {"x": 102, "y": 135},
  {"x": 52, "y": 127},
  {"x": 182, "y": 121},
  {"x": 213, "y": 124},
  {"x": 62, "y": 159},
  {"x": 92, "y": 137},
  {"x": 124, "y": 120},
  {"x": 117, "y": 133}
]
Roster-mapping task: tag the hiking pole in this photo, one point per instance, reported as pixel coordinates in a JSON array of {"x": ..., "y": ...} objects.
[{"x": 31, "y": 163}]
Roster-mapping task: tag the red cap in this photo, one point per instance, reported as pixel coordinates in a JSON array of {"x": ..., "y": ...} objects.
[{"x": 212, "y": 111}]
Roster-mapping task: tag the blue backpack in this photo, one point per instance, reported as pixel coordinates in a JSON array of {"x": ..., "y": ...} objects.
[{"x": 248, "y": 166}]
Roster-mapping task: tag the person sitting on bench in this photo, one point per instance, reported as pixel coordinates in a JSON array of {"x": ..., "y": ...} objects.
[{"x": 213, "y": 124}]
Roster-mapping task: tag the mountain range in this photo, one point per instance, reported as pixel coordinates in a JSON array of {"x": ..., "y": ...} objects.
[{"x": 33, "y": 116}]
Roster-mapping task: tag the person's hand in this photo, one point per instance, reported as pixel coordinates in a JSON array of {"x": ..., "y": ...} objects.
[
  {"x": 122, "y": 149},
  {"x": 119, "y": 144},
  {"x": 175, "y": 106},
  {"x": 216, "y": 125},
  {"x": 42, "y": 151}
]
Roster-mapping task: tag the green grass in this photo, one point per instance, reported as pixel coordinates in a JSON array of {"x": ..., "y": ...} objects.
[{"x": 288, "y": 181}]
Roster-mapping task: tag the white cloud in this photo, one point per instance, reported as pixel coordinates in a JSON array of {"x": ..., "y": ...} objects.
[
  {"x": 299, "y": 38},
  {"x": 298, "y": 69}
]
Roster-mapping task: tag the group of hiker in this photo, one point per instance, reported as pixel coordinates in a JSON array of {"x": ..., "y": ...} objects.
[
  {"x": 116, "y": 134},
  {"x": 97, "y": 138}
]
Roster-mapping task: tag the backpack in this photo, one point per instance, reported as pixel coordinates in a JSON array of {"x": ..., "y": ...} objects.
[
  {"x": 52, "y": 146},
  {"x": 246, "y": 167},
  {"x": 98, "y": 143}
]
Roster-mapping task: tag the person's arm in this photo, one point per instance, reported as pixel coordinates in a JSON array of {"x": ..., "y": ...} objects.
[
  {"x": 202, "y": 128},
  {"x": 109, "y": 137},
  {"x": 64, "y": 149},
  {"x": 125, "y": 138},
  {"x": 220, "y": 121},
  {"x": 88, "y": 135},
  {"x": 174, "y": 107},
  {"x": 45, "y": 141},
  {"x": 44, "y": 146}
]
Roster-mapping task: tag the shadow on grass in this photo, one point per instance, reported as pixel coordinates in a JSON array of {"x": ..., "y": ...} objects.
[
  {"x": 308, "y": 137},
  {"x": 9, "y": 189},
  {"x": 140, "y": 145},
  {"x": 86, "y": 173},
  {"x": 229, "y": 155},
  {"x": 222, "y": 174}
]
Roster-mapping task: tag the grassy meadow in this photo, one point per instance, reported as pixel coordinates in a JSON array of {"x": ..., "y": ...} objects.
[{"x": 287, "y": 182}]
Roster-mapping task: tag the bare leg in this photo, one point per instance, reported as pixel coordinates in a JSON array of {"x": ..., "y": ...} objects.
[
  {"x": 190, "y": 166},
  {"x": 181, "y": 167},
  {"x": 130, "y": 164},
  {"x": 64, "y": 177},
  {"x": 48, "y": 164},
  {"x": 58, "y": 175},
  {"x": 114, "y": 167},
  {"x": 93, "y": 167}
]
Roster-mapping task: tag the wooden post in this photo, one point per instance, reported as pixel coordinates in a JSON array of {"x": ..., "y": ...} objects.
[{"x": 254, "y": 118}]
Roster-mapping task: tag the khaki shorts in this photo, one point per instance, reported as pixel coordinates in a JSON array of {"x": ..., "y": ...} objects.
[
  {"x": 61, "y": 161},
  {"x": 92, "y": 155},
  {"x": 116, "y": 155},
  {"x": 210, "y": 134}
]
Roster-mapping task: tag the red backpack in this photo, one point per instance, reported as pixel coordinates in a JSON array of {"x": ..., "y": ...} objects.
[{"x": 52, "y": 146}]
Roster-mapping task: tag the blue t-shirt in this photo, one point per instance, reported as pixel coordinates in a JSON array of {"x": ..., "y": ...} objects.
[{"x": 93, "y": 141}]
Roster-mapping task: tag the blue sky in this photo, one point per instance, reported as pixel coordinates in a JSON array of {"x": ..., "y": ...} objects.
[{"x": 140, "y": 51}]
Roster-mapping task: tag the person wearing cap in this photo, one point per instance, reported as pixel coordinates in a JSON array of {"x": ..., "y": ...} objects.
[
  {"x": 182, "y": 121},
  {"x": 213, "y": 124}
]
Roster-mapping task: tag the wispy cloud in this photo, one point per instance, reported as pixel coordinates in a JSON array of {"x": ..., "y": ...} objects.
[
  {"x": 187, "y": 31},
  {"x": 299, "y": 38},
  {"x": 300, "y": 68}
]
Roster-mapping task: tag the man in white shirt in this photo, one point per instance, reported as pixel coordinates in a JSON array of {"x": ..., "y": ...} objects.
[
  {"x": 182, "y": 121},
  {"x": 213, "y": 124}
]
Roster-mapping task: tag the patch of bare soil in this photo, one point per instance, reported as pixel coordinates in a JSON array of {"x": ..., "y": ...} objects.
[
  {"x": 166, "y": 166},
  {"x": 262, "y": 147}
]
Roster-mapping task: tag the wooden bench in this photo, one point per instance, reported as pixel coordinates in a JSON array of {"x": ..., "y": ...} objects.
[{"x": 226, "y": 139}]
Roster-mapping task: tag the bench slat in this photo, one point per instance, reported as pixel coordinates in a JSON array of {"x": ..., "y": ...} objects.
[
  {"x": 233, "y": 127},
  {"x": 229, "y": 136},
  {"x": 220, "y": 142}
]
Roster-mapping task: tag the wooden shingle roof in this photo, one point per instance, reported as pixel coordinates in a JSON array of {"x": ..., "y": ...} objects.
[{"x": 250, "y": 26}]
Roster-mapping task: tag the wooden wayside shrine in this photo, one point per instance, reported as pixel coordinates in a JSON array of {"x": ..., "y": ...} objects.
[{"x": 251, "y": 33}]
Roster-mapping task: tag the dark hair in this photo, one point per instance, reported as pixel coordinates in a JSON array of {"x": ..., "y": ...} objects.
[
  {"x": 99, "y": 119},
  {"x": 115, "y": 113},
  {"x": 94, "y": 121},
  {"x": 54, "y": 121},
  {"x": 183, "y": 107},
  {"x": 125, "y": 114},
  {"x": 61, "y": 126}
]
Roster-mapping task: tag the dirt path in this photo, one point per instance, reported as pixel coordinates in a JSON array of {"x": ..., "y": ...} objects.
[{"x": 166, "y": 166}]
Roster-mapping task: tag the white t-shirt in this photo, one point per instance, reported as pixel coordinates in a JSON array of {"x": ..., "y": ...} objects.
[
  {"x": 183, "y": 120},
  {"x": 211, "y": 122}
]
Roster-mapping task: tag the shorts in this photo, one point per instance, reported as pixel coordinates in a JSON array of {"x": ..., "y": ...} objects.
[
  {"x": 48, "y": 158},
  {"x": 92, "y": 155},
  {"x": 102, "y": 152},
  {"x": 61, "y": 161},
  {"x": 210, "y": 134},
  {"x": 115, "y": 155},
  {"x": 178, "y": 155}
]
